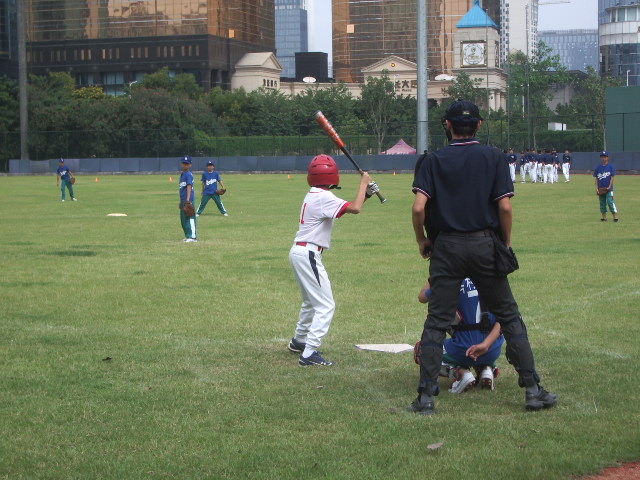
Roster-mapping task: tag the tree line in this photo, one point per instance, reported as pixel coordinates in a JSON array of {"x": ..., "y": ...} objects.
[{"x": 166, "y": 115}]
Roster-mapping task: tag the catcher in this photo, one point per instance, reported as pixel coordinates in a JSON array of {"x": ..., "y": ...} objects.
[
  {"x": 187, "y": 197},
  {"x": 212, "y": 188}
]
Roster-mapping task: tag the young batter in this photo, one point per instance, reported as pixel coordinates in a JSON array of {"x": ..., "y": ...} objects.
[{"x": 319, "y": 210}]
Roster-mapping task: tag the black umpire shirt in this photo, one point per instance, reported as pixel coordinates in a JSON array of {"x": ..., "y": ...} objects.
[{"x": 464, "y": 182}]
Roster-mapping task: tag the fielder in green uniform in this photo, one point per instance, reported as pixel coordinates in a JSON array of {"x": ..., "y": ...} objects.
[
  {"x": 187, "y": 194},
  {"x": 210, "y": 181},
  {"x": 64, "y": 176}
]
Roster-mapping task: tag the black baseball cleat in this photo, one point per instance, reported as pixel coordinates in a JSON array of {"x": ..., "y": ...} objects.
[
  {"x": 424, "y": 405},
  {"x": 296, "y": 346},
  {"x": 537, "y": 398}
]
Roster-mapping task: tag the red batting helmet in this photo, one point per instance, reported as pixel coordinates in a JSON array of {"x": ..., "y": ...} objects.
[{"x": 323, "y": 170}]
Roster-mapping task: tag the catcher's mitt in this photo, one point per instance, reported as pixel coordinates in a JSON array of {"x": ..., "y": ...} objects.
[
  {"x": 72, "y": 181},
  {"x": 602, "y": 191},
  {"x": 221, "y": 191},
  {"x": 189, "y": 209}
]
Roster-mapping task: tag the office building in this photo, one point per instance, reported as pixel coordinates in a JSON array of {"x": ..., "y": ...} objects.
[
  {"x": 577, "y": 49},
  {"x": 618, "y": 27},
  {"x": 114, "y": 43},
  {"x": 519, "y": 32},
  {"x": 8, "y": 39},
  {"x": 292, "y": 33},
  {"x": 366, "y": 31}
]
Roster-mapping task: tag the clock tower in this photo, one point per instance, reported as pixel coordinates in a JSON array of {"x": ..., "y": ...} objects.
[{"x": 477, "y": 53}]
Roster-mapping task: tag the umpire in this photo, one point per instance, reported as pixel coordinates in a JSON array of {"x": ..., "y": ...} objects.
[{"x": 462, "y": 196}]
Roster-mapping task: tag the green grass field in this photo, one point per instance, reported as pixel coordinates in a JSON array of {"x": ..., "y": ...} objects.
[{"x": 125, "y": 353}]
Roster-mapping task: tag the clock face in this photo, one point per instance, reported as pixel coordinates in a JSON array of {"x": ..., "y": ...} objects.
[{"x": 473, "y": 54}]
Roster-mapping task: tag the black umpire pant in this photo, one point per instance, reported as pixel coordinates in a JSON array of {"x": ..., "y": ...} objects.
[{"x": 457, "y": 256}]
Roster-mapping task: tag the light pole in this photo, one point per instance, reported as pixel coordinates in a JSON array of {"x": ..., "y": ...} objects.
[
  {"x": 628, "y": 77},
  {"x": 422, "y": 133},
  {"x": 22, "y": 80},
  {"x": 486, "y": 60}
]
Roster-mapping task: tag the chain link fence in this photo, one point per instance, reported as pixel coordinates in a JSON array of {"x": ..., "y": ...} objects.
[{"x": 501, "y": 132}]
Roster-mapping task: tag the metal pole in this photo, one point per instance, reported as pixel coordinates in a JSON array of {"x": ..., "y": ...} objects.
[
  {"x": 422, "y": 134},
  {"x": 486, "y": 59},
  {"x": 22, "y": 81}
]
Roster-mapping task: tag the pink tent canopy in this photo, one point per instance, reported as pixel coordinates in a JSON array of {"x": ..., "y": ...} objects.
[{"x": 400, "y": 148}]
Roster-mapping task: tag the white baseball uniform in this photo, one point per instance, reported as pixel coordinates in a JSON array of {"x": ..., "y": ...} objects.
[{"x": 317, "y": 215}]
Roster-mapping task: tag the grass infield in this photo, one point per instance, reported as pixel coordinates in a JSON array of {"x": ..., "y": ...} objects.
[{"x": 126, "y": 353}]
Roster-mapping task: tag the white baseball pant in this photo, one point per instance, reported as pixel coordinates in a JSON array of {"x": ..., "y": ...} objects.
[{"x": 318, "y": 305}]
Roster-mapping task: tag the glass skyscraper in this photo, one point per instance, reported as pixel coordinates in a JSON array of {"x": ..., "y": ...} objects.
[
  {"x": 619, "y": 24},
  {"x": 292, "y": 33},
  {"x": 577, "y": 49},
  {"x": 114, "y": 42},
  {"x": 366, "y": 31}
]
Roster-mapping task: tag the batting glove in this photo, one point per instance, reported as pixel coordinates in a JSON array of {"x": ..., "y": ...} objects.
[{"x": 372, "y": 189}]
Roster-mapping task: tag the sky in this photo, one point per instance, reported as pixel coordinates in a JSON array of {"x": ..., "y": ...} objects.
[
  {"x": 554, "y": 16},
  {"x": 568, "y": 16}
]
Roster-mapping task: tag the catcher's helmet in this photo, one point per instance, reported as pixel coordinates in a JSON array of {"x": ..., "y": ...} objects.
[{"x": 323, "y": 170}]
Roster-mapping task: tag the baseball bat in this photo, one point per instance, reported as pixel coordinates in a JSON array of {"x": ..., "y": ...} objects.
[{"x": 338, "y": 142}]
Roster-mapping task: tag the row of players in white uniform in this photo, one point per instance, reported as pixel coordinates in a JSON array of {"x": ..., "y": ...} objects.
[{"x": 541, "y": 166}]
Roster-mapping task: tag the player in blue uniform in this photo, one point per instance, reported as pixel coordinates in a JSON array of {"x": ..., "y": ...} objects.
[
  {"x": 524, "y": 160},
  {"x": 566, "y": 164},
  {"x": 210, "y": 181},
  {"x": 513, "y": 161},
  {"x": 476, "y": 341},
  {"x": 64, "y": 176},
  {"x": 187, "y": 194},
  {"x": 547, "y": 169},
  {"x": 605, "y": 175}
]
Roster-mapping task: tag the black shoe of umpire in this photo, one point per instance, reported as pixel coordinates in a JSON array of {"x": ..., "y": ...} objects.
[
  {"x": 537, "y": 398},
  {"x": 424, "y": 405}
]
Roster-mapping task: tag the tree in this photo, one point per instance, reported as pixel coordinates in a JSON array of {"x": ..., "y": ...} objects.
[
  {"x": 467, "y": 88},
  {"x": 231, "y": 109},
  {"x": 587, "y": 108},
  {"x": 272, "y": 112},
  {"x": 377, "y": 102},
  {"x": 336, "y": 102},
  {"x": 51, "y": 108},
  {"x": 9, "y": 121},
  {"x": 9, "y": 105},
  {"x": 531, "y": 79}
]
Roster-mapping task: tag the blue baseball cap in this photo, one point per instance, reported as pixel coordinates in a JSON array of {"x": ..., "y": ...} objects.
[
  {"x": 604, "y": 154},
  {"x": 61, "y": 160},
  {"x": 210, "y": 163},
  {"x": 186, "y": 159}
]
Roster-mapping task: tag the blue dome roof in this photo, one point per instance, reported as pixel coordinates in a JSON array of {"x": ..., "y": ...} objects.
[{"x": 476, "y": 18}]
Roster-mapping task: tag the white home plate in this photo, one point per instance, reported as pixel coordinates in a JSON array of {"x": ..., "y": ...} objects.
[
  {"x": 116, "y": 214},
  {"x": 386, "y": 347}
]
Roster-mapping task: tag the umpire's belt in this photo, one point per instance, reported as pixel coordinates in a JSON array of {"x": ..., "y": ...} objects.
[
  {"x": 310, "y": 246},
  {"x": 478, "y": 233}
]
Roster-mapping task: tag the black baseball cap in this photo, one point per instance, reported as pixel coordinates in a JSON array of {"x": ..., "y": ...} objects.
[{"x": 463, "y": 112}]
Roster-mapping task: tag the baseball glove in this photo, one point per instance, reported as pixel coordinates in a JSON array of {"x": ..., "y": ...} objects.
[
  {"x": 189, "y": 210},
  {"x": 72, "y": 181},
  {"x": 602, "y": 191},
  {"x": 221, "y": 191}
]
